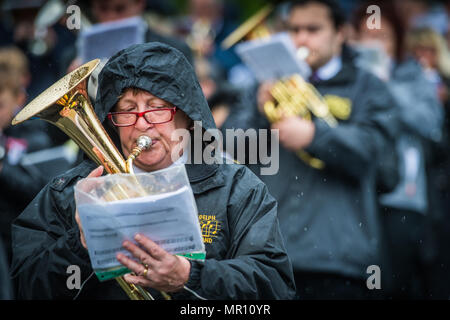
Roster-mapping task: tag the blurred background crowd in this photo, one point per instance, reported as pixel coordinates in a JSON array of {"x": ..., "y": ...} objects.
[{"x": 37, "y": 48}]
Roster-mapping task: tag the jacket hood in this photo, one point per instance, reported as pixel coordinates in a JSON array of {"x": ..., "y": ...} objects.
[{"x": 159, "y": 69}]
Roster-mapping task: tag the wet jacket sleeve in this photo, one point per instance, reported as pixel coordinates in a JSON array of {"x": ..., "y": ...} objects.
[
  {"x": 45, "y": 243},
  {"x": 354, "y": 145},
  {"x": 257, "y": 266},
  {"x": 6, "y": 286}
]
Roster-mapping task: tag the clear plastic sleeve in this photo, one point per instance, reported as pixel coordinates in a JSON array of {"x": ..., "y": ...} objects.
[{"x": 159, "y": 205}]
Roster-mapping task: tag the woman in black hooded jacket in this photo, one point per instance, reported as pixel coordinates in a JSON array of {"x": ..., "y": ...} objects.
[{"x": 246, "y": 259}]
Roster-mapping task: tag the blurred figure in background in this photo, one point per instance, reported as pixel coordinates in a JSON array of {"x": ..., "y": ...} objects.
[
  {"x": 12, "y": 59},
  {"x": 221, "y": 96},
  {"x": 431, "y": 51},
  {"x": 405, "y": 210},
  {"x": 423, "y": 13},
  {"x": 110, "y": 11},
  {"x": 328, "y": 215},
  {"x": 42, "y": 47},
  {"x": 228, "y": 104},
  {"x": 18, "y": 184},
  {"x": 429, "y": 48},
  {"x": 114, "y": 10},
  {"x": 204, "y": 27}
]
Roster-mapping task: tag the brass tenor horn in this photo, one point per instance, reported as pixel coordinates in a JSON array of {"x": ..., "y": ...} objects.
[{"x": 66, "y": 104}]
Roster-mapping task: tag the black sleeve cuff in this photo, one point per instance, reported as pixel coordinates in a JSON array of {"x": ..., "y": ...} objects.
[
  {"x": 317, "y": 145},
  {"x": 193, "y": 284}
]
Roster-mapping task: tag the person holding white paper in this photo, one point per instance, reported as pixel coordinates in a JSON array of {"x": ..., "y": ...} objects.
[
  {"x": 152, "y": 89},
  {"x": 328, "y": 214},
  {"x": 112, "y": 16}
]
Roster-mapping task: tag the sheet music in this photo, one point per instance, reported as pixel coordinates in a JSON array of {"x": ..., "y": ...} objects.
[
  {"x": 103, "y": 40},
  {"x": 272, "y": 58},
  {"x": 168, "y": 219}
]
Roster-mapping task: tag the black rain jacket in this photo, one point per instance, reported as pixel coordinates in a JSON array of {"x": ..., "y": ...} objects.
[{"x": 245, "y": 260}]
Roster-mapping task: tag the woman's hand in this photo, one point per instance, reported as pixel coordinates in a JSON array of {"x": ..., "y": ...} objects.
[
  {"x": 94, "y": 173},
  {"x": 158, "y": 269}
]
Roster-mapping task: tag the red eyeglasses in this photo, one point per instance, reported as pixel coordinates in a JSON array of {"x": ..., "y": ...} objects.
[{"x": 154, "y": 116}]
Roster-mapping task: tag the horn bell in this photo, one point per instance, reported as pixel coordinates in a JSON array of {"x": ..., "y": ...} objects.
[{"x": 66, "y": 104}]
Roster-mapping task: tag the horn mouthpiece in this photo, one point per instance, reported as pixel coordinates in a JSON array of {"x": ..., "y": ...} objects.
[{"x": 144, "y": 142}]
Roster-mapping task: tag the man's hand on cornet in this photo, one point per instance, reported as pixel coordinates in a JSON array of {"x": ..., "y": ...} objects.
[
  {"x": 158, "y": 269},
  {"x": 264, "y": 95},
  {"x": 295, "y": 133}
]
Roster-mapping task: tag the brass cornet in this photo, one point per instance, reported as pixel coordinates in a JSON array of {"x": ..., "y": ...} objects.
[{"x": 66, "y": 104}]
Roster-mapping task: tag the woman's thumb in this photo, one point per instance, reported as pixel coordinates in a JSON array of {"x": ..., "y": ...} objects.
[{"x": 96, "y": 172}]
